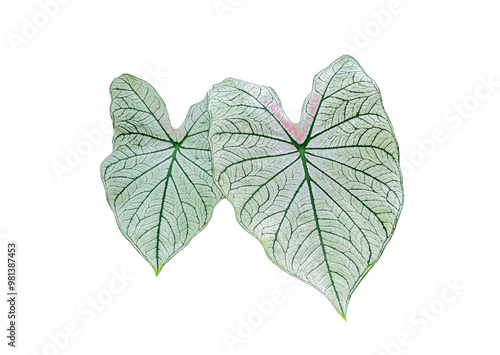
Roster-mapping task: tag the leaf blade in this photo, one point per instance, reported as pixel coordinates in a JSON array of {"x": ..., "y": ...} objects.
[
  {"x": 326, "y": 201},
  {"x": 157, "y": 180}
]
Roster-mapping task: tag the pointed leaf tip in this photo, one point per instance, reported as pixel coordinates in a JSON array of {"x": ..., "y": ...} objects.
[
  {"x": 158, "y": 180},
  {"x": 322, "y": 196}
]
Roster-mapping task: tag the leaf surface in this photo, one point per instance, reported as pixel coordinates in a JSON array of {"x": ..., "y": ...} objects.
[
  {"x": 322, "y": 196},
  {"x": 158, "y": 180}
]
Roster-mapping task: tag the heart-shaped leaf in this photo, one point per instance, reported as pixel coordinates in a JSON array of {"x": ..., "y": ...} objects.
[
  {"x": 322, "y": 196},
  {"x": 158, "y": 180}
]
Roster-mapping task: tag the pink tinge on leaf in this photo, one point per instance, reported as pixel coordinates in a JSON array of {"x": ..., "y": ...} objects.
[
  {"x": 293, "y": 129},
  {"x": 312, "y": 110},
  {"x": 309, "y": 119},
  {"x": 265, "y": 102},
  {"x": 315, "y": 98},
  {"x": 279, "y": 114},
  {"x": 300, "y": 137},
  {"x": 272, "y": 108}
]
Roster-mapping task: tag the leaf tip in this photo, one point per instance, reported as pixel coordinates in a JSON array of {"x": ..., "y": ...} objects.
[
  {"x": 157, "y": 270},
  {"x": 344, "y": 316}
]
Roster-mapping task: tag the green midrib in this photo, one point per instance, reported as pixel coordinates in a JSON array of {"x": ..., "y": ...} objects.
[
  {"x": 160, "y": 215},
  {"x": 307, "y": 178}
]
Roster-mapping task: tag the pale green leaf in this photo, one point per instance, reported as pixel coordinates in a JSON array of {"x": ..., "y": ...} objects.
[
  {"x": 322, "y": 196},
  {"x": 158, "y": 180}
]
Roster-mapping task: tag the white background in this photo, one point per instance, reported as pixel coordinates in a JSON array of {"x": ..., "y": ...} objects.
[{"x": 430, "y": 60}]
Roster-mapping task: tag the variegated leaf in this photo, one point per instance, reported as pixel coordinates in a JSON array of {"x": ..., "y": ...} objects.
[
  {"x": 158, "y": 180},
  {"x": 322, "y": 196}
]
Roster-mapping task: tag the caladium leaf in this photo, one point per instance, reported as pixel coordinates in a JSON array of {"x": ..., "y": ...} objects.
[
  {"x": 158, "y": 179},
  {"x": 322, "y": 196}
]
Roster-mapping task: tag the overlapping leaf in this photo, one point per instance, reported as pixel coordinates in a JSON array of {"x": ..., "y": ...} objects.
[
  {"x": 322, "y": 196},
  {"x": 157, "y": 180}
]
